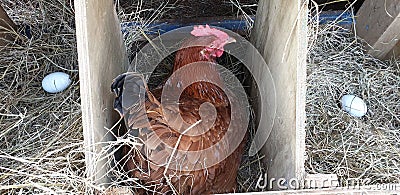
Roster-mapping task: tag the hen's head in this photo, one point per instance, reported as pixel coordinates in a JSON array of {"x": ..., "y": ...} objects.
[{"x": 218, "y": 39}]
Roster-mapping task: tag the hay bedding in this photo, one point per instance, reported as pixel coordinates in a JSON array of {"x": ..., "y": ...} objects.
[
  {"x": 181, "y": 9},
  {"x": 41, "y": 141},
  {"x": 40, "y": 133},
  {"x": 365, "y": 148}
]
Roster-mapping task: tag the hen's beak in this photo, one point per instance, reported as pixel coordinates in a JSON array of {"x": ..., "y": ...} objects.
[{"x": 230, "y": 40}]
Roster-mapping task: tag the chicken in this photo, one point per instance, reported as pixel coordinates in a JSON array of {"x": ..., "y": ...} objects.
[{"x": 173, "y": 157}]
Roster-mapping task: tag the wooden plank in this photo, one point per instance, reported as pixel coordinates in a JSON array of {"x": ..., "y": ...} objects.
[
  {"x": 280, "y": 35},
  {"x": 395, "y": 52},
  {"x": 101, "y": 55},
  {"x": 6, "y": 27},
  {"x": 378, "y": 23}
]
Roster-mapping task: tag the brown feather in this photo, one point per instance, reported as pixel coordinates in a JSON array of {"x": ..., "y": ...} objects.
[{"x": 220, "y": 178}]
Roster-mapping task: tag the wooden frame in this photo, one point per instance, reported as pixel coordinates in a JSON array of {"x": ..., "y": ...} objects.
[
  {"x": 378, "y": 23},
  {"x": 280, "y": 34}
]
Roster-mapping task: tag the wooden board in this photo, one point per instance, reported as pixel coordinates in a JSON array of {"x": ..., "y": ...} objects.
[
  {"x": 395, "y": 52},
  {"x": 378, "y": 23},
  {"x": 280, "y": 35},
  {"x": 6, "y": 26},
  {"x": 101, "y": 56}
]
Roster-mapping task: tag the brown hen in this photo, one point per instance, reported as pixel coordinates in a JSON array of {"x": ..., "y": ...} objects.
[{"x": 156, "y": 162}]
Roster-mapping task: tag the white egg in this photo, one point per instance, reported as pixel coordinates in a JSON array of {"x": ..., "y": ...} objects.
[
  {"x": 56, "y": 82},
  {"x": 353, "y": 105}
]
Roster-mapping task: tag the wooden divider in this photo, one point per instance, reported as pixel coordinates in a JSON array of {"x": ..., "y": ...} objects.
[
  {"x": 280, "y": 35},
  {"x": 101, "y": 56}
]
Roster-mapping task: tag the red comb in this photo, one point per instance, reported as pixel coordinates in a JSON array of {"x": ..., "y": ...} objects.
[{"x": 200, "y": 31}]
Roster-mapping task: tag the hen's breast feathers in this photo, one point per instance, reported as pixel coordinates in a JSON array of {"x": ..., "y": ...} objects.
[
  {"x": 160, "y": 135},
  {"x": 216, "y": 179}
]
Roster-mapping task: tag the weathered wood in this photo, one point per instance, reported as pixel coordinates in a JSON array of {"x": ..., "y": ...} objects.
[
  {"x": 101, "y": 55},
  {"x": 378, "y": 23},
  {"x": 280, "y": 35},
  {"x": 395, "y": 52},
  {"x": 7, "y": 26}
]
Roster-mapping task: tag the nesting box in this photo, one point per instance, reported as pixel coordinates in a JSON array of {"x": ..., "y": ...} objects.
[{"x": 280, "y": 36}]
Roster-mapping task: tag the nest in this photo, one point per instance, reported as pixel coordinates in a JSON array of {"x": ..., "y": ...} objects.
[{"x": 362, "y": 149}]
